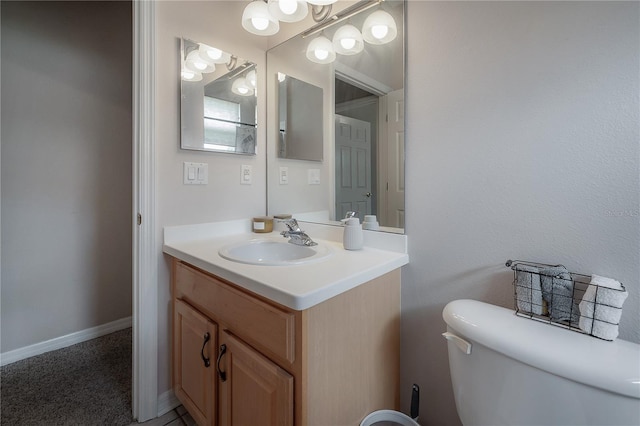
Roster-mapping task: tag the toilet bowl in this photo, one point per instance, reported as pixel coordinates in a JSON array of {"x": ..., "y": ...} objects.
[{"x": 509, "y": 370}]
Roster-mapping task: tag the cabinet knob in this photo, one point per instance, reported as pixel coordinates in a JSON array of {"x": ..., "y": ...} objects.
[
  {"x": 205, "y": 359},
  {"x": 222, "y": 374}
]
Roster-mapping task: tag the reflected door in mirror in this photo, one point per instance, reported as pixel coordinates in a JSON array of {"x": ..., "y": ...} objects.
[{"x": 353, "y": 166}]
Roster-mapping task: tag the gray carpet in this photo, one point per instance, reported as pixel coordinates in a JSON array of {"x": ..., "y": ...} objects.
[{"x": 84, "y": 384}]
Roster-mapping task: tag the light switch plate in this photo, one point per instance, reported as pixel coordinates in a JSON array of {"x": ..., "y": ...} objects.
[
  {"x": 195, "y": 173},
  {"x": 314, "y": 176},
  {"x": 284, "y": 175},
  {"x": 245, "y": 175}
]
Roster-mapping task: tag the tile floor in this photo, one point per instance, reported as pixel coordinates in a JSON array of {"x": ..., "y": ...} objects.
[{"x": 175, "y": 417}]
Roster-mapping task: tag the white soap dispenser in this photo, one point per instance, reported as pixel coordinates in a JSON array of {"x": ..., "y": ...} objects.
[{"x": 352, "y": 239}]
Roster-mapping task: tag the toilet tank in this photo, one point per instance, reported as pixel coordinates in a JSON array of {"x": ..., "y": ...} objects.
[{"x": 524, "y": 372}]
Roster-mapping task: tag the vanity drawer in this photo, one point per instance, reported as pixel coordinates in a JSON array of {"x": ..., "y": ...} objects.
[{"x": 260, "y": 324}]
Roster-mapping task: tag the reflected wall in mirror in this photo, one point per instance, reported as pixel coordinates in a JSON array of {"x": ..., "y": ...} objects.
[
  {"x": 363, "y": 114},
  {"x": 300, "y": 118},
  {"x": 217, "y": 101}
]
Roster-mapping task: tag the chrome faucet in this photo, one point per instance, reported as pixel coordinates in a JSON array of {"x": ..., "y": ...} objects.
[{"x": 296, "y": 235}]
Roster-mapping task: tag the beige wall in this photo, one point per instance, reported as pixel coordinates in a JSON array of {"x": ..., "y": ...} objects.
[
  {"x": 66, "y": 168},
  {"x": 522, "y": 142},
  {"x": 215, "y": 23}
]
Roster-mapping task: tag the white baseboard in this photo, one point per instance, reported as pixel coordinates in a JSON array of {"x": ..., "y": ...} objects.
[
  {"x": 167, "y": 401},
  {"x": 63, "y": 341}
]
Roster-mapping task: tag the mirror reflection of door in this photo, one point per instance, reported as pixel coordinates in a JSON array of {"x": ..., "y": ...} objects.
[
  {"x": 353, "y": 166},
  {"x": 370, "y": 174}
]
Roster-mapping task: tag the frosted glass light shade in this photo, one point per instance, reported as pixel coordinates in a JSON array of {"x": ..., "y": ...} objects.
[
  {"x": 288, "y": 10},
  {"x": 195, "y": 63},
  {"x": 347, "y": 40},
  {"x": 320, "y": 50},
  {"x": 252, "y": 78},
  {"x": 321, "y": 2},
  {"x": 241, "y": 87},
  {"x": 257, "y": 20},
  {"x": 379, "y": 28},
  {"x": 188, "y": 75},
  {"x": 213, "y": 54}
]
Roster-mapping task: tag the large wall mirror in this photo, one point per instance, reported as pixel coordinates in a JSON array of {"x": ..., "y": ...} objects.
[
  {"x": 362, "y": 117},
  {"x": 217, "y": 100}
]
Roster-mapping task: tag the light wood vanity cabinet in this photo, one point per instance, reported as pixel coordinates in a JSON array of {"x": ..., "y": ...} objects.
[{"x": 331, "y": 364}]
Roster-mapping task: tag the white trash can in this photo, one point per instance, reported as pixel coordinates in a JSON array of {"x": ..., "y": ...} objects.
[{"x": 388, "y": 418}]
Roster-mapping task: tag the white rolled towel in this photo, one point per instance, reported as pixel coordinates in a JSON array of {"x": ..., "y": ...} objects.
[{"x": 601, "y": 307}]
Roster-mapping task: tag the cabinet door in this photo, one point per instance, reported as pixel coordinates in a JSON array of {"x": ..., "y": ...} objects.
[
  {"x": 253, "y": 390},
  {"x": 194, "y": 346}
]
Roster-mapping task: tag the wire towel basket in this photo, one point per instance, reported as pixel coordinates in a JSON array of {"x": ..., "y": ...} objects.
[{"x": 551, "y": 294}]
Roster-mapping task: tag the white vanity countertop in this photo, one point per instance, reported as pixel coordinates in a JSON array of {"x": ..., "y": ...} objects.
[{"x": 295, "y": 286}]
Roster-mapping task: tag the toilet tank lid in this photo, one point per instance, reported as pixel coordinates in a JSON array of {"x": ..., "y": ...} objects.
[{"x": 612, "y": 366}]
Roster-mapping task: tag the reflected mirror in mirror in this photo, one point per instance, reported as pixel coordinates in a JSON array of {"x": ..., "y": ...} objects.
[
  {"x": 363, "y": 111},
  {"x": 218, "y": 100},
  {"x": 300, "y": 117}
]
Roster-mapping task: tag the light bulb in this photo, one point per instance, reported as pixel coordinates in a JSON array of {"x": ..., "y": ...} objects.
[
  {"x": 321, "y": 54},
  {"x": 348, "y": 43},
  {"x": 195, "y": 63},
  {"x": 288, "y": 7},
  {"x": 257, "y": 20},
  {"x": 188, "y": 75},
  {"x": 379, "y": 28},
  {"x": 260, "y": 24},
  {"x": 379, "y": 31},
  {"x": 288, "y": 10},
  {"x": 214, "y": 53},
  {"x": 321, "y": 50},
  {"x": 240, "y": 87},
  {"x": 347, "y": 40}
]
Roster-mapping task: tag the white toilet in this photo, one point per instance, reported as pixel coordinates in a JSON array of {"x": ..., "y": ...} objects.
[{"x": 509, "y": 370}]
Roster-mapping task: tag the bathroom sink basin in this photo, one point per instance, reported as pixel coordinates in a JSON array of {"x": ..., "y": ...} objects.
[{"x": 273, "y": 252}]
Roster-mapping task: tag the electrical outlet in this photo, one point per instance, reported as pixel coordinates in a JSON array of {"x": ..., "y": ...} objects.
[
  {"x": 245, "y": 175},
  {"x": 313, "y": 176},
  {"x": 284, "y": 175}
]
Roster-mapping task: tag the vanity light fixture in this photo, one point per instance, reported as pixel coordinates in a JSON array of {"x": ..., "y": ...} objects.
[
  {"x": 213, "y": 54},
  {"x": 379, "y": 28},
  {"x": 347, "y": 40},
  {"x": 188, "y": 75},
  {"x": 320, "y": 9},
  {"x": 241, "y": 87},
  {"x": 262, "y": 17},
  {"x": 320, "y": 50},
  {"x": 196, "y": 64},
  {"x": 321, "y": 2},
  {"x": 252, "y": 78},
  {"x": 257, "y": 20},
  {"x": 288, "y": 10}
]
